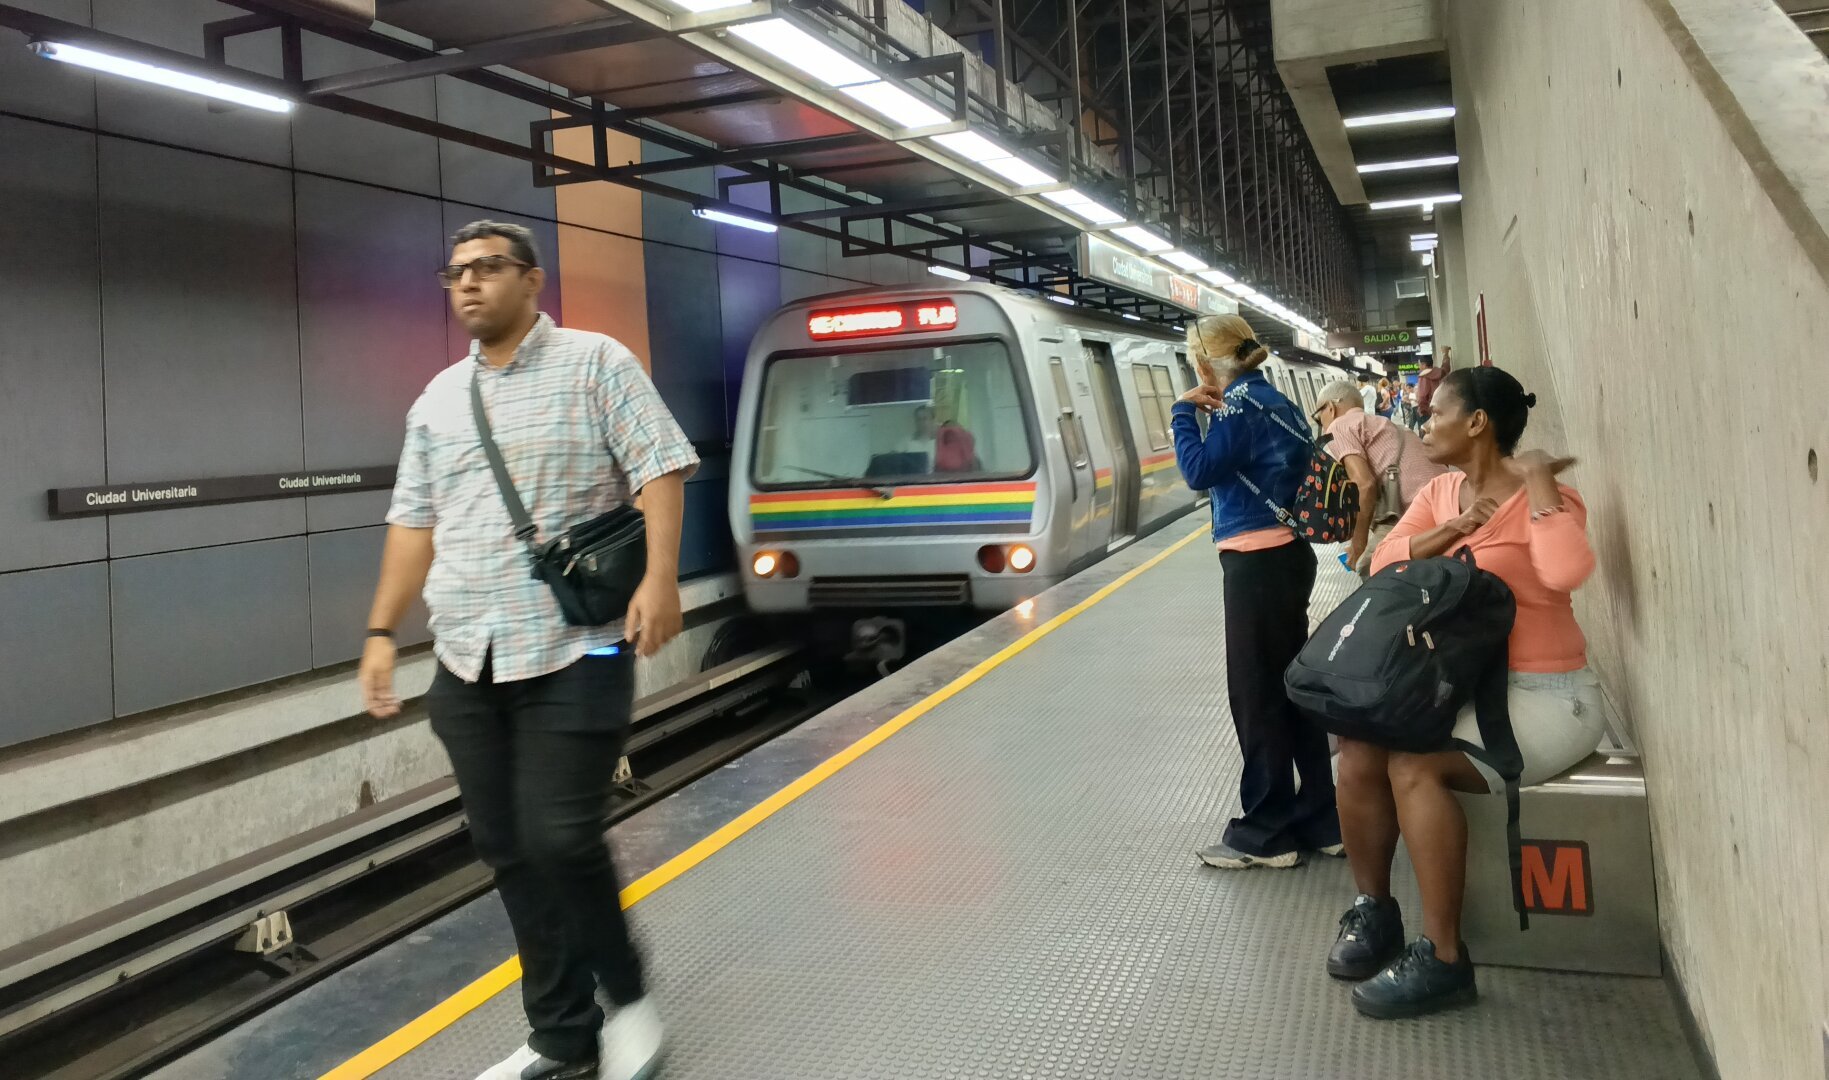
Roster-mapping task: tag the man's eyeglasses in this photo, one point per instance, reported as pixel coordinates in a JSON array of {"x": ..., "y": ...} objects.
[{"x": 487, "y": 268}]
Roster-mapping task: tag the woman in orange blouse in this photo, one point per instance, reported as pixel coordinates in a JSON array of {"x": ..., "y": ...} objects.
[{"x": 1522, "y": 525}]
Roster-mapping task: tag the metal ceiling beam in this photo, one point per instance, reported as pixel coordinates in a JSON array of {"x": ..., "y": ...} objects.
[{"x": 518, "y": 48}]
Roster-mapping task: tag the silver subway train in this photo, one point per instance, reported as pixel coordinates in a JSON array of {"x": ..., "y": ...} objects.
[{"x": 965, "y": 446}]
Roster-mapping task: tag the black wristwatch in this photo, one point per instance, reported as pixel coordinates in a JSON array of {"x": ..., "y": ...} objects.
[{"x": 375, "y": 631}]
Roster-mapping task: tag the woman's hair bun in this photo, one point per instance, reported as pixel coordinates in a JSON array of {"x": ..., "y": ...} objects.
[{"x": 1530, "y": 401}]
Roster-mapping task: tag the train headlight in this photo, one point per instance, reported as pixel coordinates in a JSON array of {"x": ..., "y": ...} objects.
[
  {"x": 770, "y": 564},
  {"x": 1022, "y": 559}
]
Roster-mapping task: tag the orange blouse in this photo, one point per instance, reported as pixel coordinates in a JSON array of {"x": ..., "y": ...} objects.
[{"x": 1543, "y": 561}]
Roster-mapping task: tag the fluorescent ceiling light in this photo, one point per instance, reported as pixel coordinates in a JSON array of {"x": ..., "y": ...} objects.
[
  {"x": 1425, "y": 331},
  {"x": 1182, "y": 259},
  {"x": 800, "y": 50},
  {"x": 1413, "y": 163},
  {"x": 1428, "y": 258},
  {"x": 734, "y": 219},
  {"x": 1019, "y": 172},
  {"x": 1059, "y": 299},
  {"x": 1081, "y": 206},
  {"x": 1425, "y": 236},
  {"x": 700, "y": 7},
  {"x": 1142, "y": 239},
  {"x": 894, "y": 103},
  {"x": 1423, "y": 245},
  {"x": 971, "y": 146},
  {"x": 1427, "y": 200},
  {"x": 1132, "y": 318},
  {"x": 949, "y": 272},
  {"x": 1412, "y": 116},
  {"x": 161, "y": 76},
  {"x": 1239, "y": 289},
  {"x": 1216, "y": 277}
]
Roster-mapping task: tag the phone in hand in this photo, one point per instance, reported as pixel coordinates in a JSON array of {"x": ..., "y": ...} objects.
[{"x": 1345, "y": 563}]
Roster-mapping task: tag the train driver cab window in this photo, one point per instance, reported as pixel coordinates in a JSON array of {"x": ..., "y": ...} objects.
[
  {"x": 904, "y": 416},
  {"x": 1073, "y": 436}
]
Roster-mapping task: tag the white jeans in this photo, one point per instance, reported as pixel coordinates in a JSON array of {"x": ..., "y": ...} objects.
[{"x": 1556, "y": 718}]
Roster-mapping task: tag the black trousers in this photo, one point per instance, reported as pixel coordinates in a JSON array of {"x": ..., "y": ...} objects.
[
  {"x": 533, "y": 760},
  {"x": 1266, "y": 624}
]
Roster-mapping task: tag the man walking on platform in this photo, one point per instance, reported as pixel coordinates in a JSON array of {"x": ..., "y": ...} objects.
[{"x": 534, "y": 711}]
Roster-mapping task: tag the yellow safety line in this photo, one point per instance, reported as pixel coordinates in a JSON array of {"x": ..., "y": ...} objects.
[{"x": 450, "y": 1010}]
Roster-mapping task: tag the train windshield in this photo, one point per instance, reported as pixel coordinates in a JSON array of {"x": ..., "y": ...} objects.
[{"x": 941, "y": 414}]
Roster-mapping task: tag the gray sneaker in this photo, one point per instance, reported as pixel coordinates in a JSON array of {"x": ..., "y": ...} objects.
[{"x": 1230, "y": 858}]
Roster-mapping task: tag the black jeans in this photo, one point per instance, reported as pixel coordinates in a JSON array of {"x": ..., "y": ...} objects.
[
  {"x": 533, "y": 760},
  {"x": 1266, "y": 624}
]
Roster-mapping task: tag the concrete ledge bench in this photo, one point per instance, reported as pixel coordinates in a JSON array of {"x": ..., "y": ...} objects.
[{"x": 1588, "y": 881}]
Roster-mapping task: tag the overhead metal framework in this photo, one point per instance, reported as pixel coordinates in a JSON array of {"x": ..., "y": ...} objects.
[
  {"x": 1168, "y": 114},
  {"x": 1187, "y": 94}
]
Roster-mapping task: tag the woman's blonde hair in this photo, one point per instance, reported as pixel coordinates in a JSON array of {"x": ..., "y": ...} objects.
[{"x": 1221, "y": 339}]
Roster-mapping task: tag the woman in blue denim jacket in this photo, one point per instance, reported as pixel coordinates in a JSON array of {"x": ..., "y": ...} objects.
[{"x": 1251, "y": 466}]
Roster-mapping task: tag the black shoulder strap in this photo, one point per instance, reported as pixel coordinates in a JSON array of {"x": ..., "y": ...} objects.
[
  {"x": 524, "y": 529},
  {"x": 1492, "y": 710}
]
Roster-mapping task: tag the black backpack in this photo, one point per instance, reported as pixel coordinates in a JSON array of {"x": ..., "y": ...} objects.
[
  {"x": 1327, "y": 501},
  {"x": 1396, "y": 662}
]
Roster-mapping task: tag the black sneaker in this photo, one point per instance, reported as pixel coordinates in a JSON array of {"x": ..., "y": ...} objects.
[
  {"x": 1371, "y": 936},
  {"x": 1417, "y": 984}
]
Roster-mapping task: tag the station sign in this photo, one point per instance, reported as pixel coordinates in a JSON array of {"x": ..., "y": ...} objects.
[
  {"x": 1107, "y": 263},
  {"x": 170, "y": 494},
  {"x": 1389, "y": 340}
]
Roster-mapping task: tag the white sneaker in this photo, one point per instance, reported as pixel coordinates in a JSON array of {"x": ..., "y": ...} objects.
[
  {"x": 631, "y": 1042},
  {"x": 510, "y": 1068}
]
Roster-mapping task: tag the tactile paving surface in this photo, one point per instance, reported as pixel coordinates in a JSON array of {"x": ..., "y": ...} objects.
[{"x": 1007, "y": 889}]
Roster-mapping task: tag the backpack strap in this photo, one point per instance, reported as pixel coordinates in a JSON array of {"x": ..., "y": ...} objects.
[{"x": 1492, "y": 710}]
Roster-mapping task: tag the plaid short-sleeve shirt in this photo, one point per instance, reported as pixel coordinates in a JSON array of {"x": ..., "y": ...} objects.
[{"x": 581, "y": 429}]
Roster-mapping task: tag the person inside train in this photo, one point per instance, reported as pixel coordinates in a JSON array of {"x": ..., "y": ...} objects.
[
  {"x": 1251, "y": 460},
  {"x": 1531, "y": 531},
  {"x": 1369, "y": 446},
  {"x": 955, "y": 451}
]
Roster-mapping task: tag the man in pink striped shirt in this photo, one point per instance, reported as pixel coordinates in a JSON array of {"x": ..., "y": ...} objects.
[{"x": 1368, "y": 445}]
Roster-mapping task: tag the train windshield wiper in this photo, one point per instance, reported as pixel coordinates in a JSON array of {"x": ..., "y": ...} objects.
[{"x": 881, "y": 491}]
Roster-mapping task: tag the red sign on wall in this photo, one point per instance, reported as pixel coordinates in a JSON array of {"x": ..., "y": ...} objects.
[{"x": 1557, "y": 878}]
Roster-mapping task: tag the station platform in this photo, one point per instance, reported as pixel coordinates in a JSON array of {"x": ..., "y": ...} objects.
[{"x": 983, "y": 866}]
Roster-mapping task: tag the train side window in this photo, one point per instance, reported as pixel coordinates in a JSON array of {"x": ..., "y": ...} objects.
[
  {"x": 1072, "y": 435},
  {"x": 1149, "y": 402}
]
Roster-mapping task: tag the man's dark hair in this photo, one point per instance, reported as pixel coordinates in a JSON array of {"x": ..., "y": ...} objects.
[
  {"x": 1426, "y": 360},
  {"x": 519, "y": 237}
]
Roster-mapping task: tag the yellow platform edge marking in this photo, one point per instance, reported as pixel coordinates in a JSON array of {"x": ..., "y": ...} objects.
[{"x": 455, "y": 1007}]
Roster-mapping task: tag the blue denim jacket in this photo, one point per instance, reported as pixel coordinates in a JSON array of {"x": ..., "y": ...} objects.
[{"x": 1242, "y": 439}]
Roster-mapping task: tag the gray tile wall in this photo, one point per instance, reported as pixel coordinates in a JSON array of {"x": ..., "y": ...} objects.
[{"x": 218, "y": 292}]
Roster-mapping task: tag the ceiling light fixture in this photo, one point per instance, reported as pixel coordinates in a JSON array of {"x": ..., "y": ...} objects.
[
  {"x": 1142, "y": 239},
  {"x": 804, "y": 52},
  {"x": 1413, "y": 163},
  {"x": 1411, "y": 116},
  {"x": 1398, "y": 204},
  {"x": 1216, "y": 277},
  {"x": 161, "y": 76},
  {"x": 1082, "y": 206},
  {"x": 949, "y": 272},
  {"x": 894, "y": 103},
  {"x": 1182, "y": 259},
  {"x": 734, "y": 219}
]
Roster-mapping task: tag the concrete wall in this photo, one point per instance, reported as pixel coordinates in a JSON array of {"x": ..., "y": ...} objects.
[{"x": 1642, "y": 218}]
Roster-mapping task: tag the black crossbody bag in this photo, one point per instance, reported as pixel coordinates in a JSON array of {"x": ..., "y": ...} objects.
[{"x": 593, "y": 568}]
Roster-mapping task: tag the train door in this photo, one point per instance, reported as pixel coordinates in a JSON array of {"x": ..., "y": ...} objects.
[
  {"x": 1108, "y": 396},
  {"x": 1080, "y": 482}
]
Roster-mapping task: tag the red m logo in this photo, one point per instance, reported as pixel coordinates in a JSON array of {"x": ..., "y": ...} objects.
[{"x": 1556, "y": 878}]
